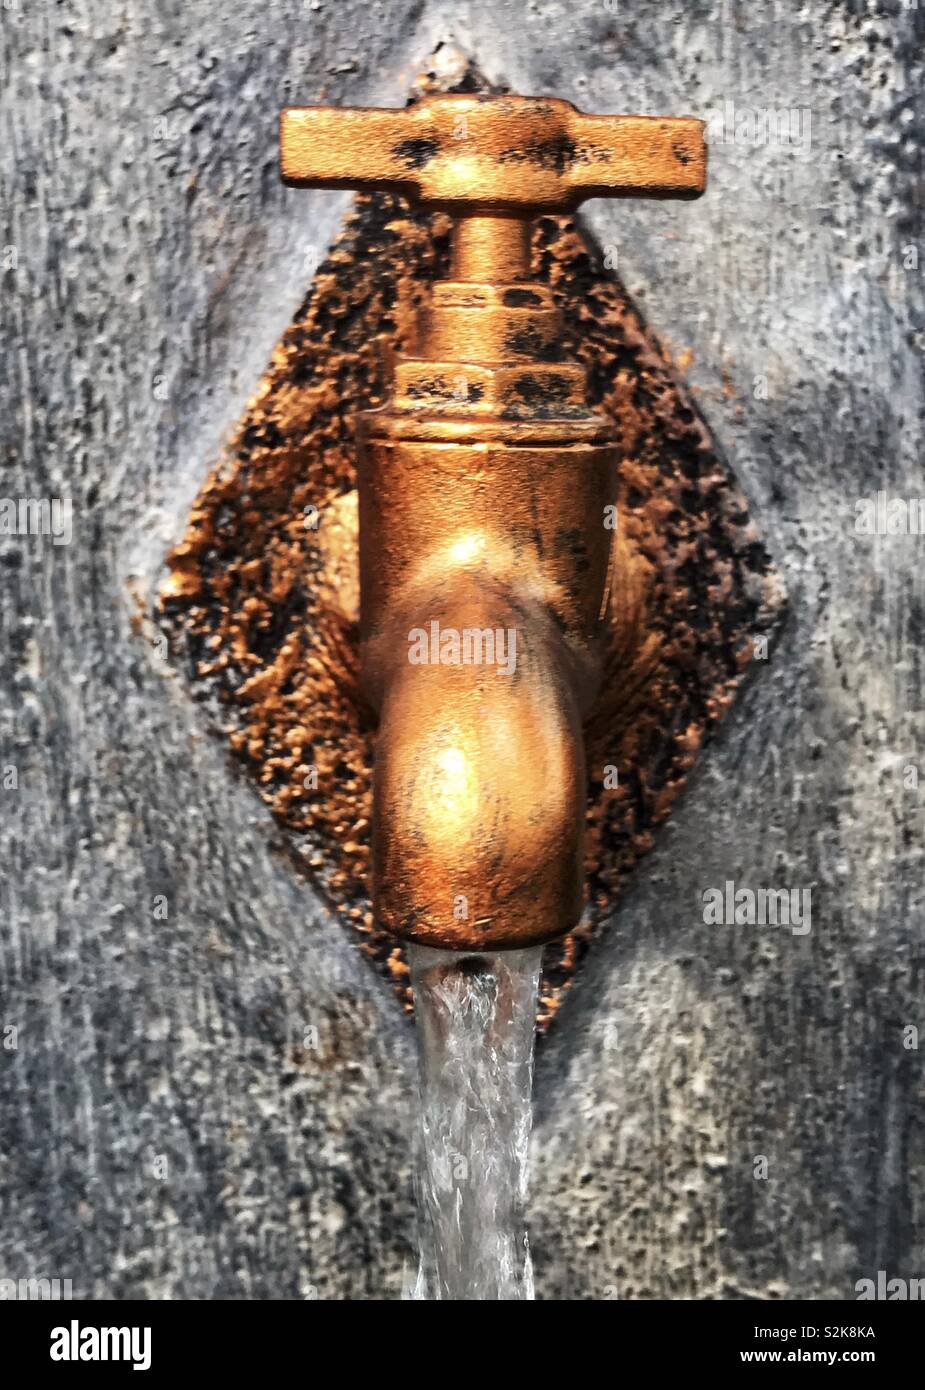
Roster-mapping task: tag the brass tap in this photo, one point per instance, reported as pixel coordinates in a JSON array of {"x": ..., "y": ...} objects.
[{"x": 487, "y": 492}]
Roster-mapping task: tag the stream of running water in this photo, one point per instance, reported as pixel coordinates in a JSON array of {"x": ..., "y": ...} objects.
[{"x": 475, "y": 1017}]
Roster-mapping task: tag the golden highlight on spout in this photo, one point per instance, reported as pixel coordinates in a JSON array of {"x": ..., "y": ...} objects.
[{"x": 486, "y": 493}]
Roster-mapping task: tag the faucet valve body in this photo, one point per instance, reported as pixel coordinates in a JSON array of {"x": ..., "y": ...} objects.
[{"x": 485, "y": 531}]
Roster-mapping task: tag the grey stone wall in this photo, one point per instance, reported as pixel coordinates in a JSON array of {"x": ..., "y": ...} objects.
[{"x": 162, "y": 1131}]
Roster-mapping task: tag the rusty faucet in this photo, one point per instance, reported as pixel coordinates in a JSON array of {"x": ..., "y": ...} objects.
[{"x": 485, "y": 484}]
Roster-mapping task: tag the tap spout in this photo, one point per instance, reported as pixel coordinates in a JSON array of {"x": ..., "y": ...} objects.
[
  {"x": 484, "y": 571},
  {"x": 485, "y": 489},
  {"x": 479, "y": 790}
]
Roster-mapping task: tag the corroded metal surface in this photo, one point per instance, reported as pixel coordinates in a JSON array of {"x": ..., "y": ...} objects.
[
  {"x": 263, "y": 595},
  {"x": 487, "y": 510}
]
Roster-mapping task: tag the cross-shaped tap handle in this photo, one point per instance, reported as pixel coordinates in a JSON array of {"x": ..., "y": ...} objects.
[{"x": 510, "y": 155}]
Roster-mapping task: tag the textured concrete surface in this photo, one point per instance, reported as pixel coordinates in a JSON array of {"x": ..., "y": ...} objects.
[{"x": 169, "y": 1125}]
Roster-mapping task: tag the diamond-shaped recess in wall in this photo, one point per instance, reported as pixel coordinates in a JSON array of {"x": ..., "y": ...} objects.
[{"x": 262, "y": 597}]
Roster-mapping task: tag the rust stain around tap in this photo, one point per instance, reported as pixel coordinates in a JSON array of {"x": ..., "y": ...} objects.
[{"x": 262, "y": 597}]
